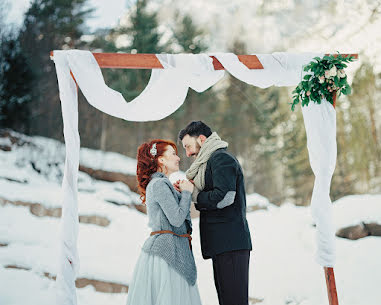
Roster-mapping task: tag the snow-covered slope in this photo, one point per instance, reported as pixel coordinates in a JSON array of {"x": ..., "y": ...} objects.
[{"x": 282, "y": 266}]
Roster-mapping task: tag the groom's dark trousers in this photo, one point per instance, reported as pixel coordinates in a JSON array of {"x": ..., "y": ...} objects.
[{"x": 231, "y": 276}]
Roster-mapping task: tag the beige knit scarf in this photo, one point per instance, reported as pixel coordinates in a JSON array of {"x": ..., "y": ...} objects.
[{"x": 197, "y": 170}]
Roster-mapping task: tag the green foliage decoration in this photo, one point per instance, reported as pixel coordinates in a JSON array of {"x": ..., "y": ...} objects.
[{"x": 324, "y": 77}]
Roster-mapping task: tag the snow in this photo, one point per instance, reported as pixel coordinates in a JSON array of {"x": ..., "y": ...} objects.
[
  {"x": 107, "y": 161},
  {"x": 5, "y": 141},
  {"x": 352, "y": 210},
  {"x": 282, "y": 267},
  {"x": 257, "y": 201}
]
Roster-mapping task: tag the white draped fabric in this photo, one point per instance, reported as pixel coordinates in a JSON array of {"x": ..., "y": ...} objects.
[
  {"x": 279, "y": 69},
  {"x": 164, "y": 94},
  {"x": 68, "y": 256},
  {"x": 320, "y": 124}
]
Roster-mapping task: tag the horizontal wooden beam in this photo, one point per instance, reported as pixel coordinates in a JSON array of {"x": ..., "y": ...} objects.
[{"x": 150, "y": 61}]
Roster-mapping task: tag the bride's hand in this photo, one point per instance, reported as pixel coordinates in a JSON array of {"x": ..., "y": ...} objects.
[
  {"x": 176, "y": 185},
  {"x": 185, "y": 185}
]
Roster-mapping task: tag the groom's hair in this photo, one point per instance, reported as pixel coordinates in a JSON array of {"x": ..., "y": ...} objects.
[{"x": 194, "y": 129}]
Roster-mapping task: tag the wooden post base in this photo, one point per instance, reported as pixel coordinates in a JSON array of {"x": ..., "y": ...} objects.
[{"x": 331, "y": 286}]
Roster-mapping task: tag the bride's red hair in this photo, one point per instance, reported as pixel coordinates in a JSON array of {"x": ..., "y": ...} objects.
[{"x": 147, "y": 163}]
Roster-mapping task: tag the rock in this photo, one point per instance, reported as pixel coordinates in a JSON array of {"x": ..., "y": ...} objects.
[
  {"x": 16, "y": 267},
  {"x": 5, "y": 148},
  {"x": 353, "y": 232},
  {"x": 253, "y": 208},
  {"x": 8, "y": 133},
  {"x": 101, "y": 286},
  {"x": 253, "y": 300},
  {"x": 94, "y": 219},
  {"x": 98, "y": 174},
  {"x": 373, "y": 228},
  {"x": 41, "y": 211},
  {"x": 360, "y": 231}
]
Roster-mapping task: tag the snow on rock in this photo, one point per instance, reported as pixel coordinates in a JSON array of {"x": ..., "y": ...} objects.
[
  {"x": 48, "y": 156},
  {"x": 355, "y": 209},
  {"x": 256, "y": 201},
  {"x": 107, "y": 161}
]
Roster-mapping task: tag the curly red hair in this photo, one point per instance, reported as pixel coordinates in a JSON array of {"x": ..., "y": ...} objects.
[{"x": 147, "y": 164}]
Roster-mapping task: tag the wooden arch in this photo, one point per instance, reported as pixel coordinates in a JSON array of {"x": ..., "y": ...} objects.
[{"x": 150, "y": 61}]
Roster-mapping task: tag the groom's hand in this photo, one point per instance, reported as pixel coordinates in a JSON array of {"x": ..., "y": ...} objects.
[{"x": 176, "y": 185}]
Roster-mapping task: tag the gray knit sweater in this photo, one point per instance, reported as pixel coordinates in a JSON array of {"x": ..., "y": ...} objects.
[{"x": 169, "y": 209}]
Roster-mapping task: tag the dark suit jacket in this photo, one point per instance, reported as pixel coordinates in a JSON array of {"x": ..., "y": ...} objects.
[{"x": 222, "y": 206}]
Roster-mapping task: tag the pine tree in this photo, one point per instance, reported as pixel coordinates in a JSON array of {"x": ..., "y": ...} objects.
[
  {"x": 4, "y": 9},
  {"x": 249, "y": 117},
  {"x": 361, "y": 136},
  {"x": 15, "y": 85},
  {"x": 145, "y": 38},
  {"x": 344, "y": 178},
  {"x": 15, "y": 78},
  {"x": 143, "y": 33},
  {"x": 188, "y": 36},
  {"x": 49, "y": 25},
  {"x": 298, "y": 175}
]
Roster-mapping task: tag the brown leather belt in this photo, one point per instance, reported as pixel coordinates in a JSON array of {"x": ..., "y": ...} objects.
[{"x": 173, "y": 233}]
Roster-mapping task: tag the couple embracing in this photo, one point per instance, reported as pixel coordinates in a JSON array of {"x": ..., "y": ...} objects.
[{"x": 165, "y": 273}]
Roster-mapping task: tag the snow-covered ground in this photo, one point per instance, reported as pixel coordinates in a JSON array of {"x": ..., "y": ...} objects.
[{"x": 282, "y": 266}]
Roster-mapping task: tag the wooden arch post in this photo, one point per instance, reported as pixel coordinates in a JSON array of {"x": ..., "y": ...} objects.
[{"x": 150, "y": 61}]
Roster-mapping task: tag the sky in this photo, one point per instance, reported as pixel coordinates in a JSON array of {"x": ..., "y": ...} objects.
[{"x": 107, "y": 12}]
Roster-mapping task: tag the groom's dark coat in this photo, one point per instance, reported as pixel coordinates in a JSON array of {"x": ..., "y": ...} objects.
[{"x": 222, "y": 206}]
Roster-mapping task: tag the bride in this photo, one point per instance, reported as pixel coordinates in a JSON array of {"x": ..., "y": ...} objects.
[{"x": 165, "y": 273}]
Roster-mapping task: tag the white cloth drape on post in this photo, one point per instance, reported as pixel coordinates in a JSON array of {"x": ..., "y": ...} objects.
[
  {"x": 164, "y": 94},
  {"x": 320, "y": 124},
  {"x": 68, "y": 257}
]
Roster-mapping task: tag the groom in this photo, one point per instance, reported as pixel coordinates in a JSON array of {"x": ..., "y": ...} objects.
[{"x": 219, "y": 195}]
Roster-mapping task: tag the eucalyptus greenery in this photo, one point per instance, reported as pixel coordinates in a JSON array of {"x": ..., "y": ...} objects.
[{"x": 325, "y": 77}]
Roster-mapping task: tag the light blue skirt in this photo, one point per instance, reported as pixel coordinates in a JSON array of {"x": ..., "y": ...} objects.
[{"x": 154, "y": 282}]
